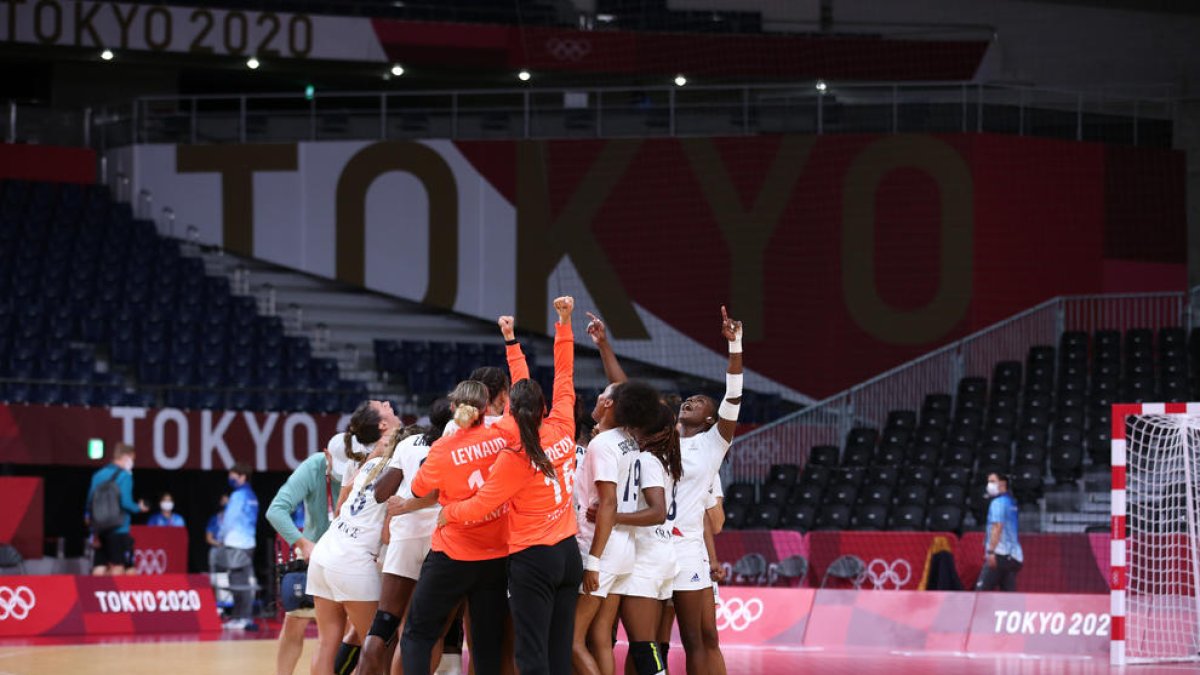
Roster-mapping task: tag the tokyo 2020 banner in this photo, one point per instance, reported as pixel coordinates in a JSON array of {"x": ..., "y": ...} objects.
[
  {"x": 83, "y": 605},
  {"x": 844, "y": 254}
]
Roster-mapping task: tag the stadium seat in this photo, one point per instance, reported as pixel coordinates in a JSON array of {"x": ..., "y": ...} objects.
[
  {"x": 775, "y": 494},
  {"x": 929, "y": 436},
  {"x": 1027, "y": 483},
  {"x": 953, "y": 475},
  {"x": 869, "y": 517},
  {"x": 890, "y": 455},
  {"x": 851, "y": 475},
  {"x": 863, "y": 437},
  {"x": 907, "y": 517},
  {"x": 901, "y": 419},
  {"x": 858, "y": 455},
  {"x": 924, "y": 455},
  {"x": 802, "y": 517},
  {"x": 815, "y": 474},
  {"x": 875, "y": 494},
  {"x": 1066, "y": 463},
  {"x": 824, "y": 455},
  {"x": 959, "y": 455},
  {"x": 762, "y": 517},
  {"x": 806, "y": 493},
  {"x": 949, "y": 495},
  {"x": 882, "y": 475},
  {"x": 936, "y": 401},
  {"x": 735, "y": 514},
  {"x": 1030, "y": 453},
  {"x": 945, "y": 518},
  {"x": 912, "y": 494},
  {"x": 917, "y": 474},
  {"x": 841, "y": 493},
  {"x": 739, "y": 493},
  {"x": 995, "y": 457},
  {"x": 833, "y": 517},
  {"x": 1099, "y": 444},
  {"x": 786, "y": 474}
]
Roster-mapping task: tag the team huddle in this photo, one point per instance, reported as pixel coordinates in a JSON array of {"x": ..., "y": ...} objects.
[{"x": 497, "y": 517}]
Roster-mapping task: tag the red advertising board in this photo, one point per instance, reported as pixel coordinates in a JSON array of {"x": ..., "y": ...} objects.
[
  {"x": 22, "y": 515},
  {"x": 83, "y": 605},
  {"x": 931, "y": 620},
  {"x": 159, "y": 550},
  {"x": 895, "y": 560},
  {"x": 1040, "y": 623}
]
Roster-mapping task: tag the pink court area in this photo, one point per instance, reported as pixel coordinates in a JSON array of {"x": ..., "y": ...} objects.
[{"x": 221, "y": 654}]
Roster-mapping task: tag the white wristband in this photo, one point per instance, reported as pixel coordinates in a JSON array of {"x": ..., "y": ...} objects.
[
  {"x": 735, "y": 345},
  {"x": 733, "y": 385},
  {"x": 591, "y": 564},
  {"x": 729, "y": 411}
]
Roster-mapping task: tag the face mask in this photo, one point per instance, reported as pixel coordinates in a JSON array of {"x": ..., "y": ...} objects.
[
  {"x": 993, "y": 489},
  {"x": 234, "y": 484},
  {"x": 167, "y": 506}
]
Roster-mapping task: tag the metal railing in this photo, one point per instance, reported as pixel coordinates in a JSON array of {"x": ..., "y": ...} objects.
[
  {"x": 789, "y": 439},
  {"x": 582, "y": 112}
]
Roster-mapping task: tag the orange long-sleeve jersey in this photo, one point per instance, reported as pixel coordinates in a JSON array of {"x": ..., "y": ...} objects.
[
  {"x": 541, "y": 509},
  {"x": 456, "y": 467}
]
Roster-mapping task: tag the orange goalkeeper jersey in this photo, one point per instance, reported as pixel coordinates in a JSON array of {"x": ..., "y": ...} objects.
[{"x": 540, "y": 509}]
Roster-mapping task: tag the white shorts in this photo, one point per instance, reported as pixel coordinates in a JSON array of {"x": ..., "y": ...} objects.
[
  {"x": 405, "y": 557},
  {"x": 693, "y": 575},
  {"x": 644, "y": 587},
  {"x": 607, "y": 582},
  {"x": 341, "y": 587}
]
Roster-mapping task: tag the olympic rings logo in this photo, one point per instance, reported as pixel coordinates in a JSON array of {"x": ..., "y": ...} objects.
[
  {"x": 16, "y": 602},
  {"x": 737, "y": 614},
  {"x": 881, "y": 573},
  {"x": 150, "y": 561},
  {"x": 568, "y": 50}
]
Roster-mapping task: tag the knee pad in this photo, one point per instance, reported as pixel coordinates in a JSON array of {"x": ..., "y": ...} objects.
[
  {"x": 384, "y": 626},
  {"x": 346, "y": 659},
  {"x": 646, "y": 658}
]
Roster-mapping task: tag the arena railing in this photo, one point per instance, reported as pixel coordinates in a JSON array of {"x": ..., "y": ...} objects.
[
  {"x": 789, "y": 439},
  {"x": 814, "y": 107}
]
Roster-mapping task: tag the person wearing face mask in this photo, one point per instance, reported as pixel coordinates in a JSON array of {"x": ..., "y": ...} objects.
[
  {"x": 1003, "y": 557},
  {"x": 237, "y": 537},
  {"x": 110, "y": 504},
  {"x": 166, "y": 516}
]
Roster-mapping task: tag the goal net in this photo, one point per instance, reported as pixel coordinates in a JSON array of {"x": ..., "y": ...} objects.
[{"x": 1156, "y": 541}]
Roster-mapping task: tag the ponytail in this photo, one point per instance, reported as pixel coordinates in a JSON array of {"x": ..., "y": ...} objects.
[
  {"x": 348, "y": 437},
  {"x": 529, "y": 423},
  {"x": 397, "y": 436},
  {"x": 465, "y": 415}
]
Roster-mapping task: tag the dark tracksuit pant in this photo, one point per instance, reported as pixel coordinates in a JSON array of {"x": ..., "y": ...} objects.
[{"x": 543, "y": 584}]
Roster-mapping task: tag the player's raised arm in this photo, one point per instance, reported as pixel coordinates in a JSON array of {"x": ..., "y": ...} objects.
[
  {"x": 599, "y": 335},
  {"x": 518, "y": 368},
  {"x": 731, "y": 403}
]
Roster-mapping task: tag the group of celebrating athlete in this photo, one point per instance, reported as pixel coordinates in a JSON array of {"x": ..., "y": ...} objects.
[{"x": 497, "y": 516}]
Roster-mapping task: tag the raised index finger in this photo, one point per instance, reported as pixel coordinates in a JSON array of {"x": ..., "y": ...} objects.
[
  {"x": 593, "y": 317},
  {"x": 724, "y": 314}
]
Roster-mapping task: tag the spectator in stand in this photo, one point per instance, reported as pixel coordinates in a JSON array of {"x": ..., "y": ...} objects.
[
  {"x": 237, "y": 536},
  {"x": 108, "y": 513},
  {"x": 166, "y": 516},
  {"x": 1003, "y": 557}
]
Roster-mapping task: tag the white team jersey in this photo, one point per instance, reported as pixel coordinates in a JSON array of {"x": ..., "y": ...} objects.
[
  {"x": 409, "y": 456},
  {"x": 609, "y": 458},
  {"x": 655, "y": 554},
  {"x": 354, "y": 537},
  {"x": 714, "y": 493},
  {"x": 452, "y": 427},
  {"x": 702, "y": 457}
]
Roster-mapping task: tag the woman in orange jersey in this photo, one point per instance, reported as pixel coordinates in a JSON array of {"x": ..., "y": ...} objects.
[
  {"x": 535, "y": 477},
  {"x": 466, "y": 560}
]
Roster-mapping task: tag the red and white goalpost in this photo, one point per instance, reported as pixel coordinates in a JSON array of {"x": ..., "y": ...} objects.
[{"x": 1155, "y": 578}]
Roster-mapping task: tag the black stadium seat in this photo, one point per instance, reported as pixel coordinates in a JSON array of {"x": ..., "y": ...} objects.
[
  {"x": 882, "y": 475},
  {"x": 912, "y": 494},
  {"x": 801, "y": 517},
  {"x": 775, "y": 494},
  {"x": 739, "y": 493},
  {"x": 735, "y": 515},
  {"x": 806, "y": 493},
  {"x": 869, "y": 517},
  {"x": 901, "y": 419},
  {"x": 945, "y": 519},
  {"x": 841, "y": 493},
  {"x": 875, "y": 494},
  {"x": 907, "y": 517},
  {"x": 834, "y": 517},
  {"x": 824, "y": 455},
  {"x": 763, "y": 517},
  {"x": 786, "y": 474}
]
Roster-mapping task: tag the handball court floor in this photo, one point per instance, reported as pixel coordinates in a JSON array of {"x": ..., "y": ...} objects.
[{"x": 221, "y": 654}]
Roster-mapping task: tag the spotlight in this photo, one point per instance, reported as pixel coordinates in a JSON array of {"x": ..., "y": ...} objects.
[
  {"x": 397, "y": 70},
  {"x": 680, "y": 80},
  {"x": 524, "y": 76},
  {"x": 107, "y": 55},
  {"x": 821, "y": 86},
  {"x": 252, "y": 63}
]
